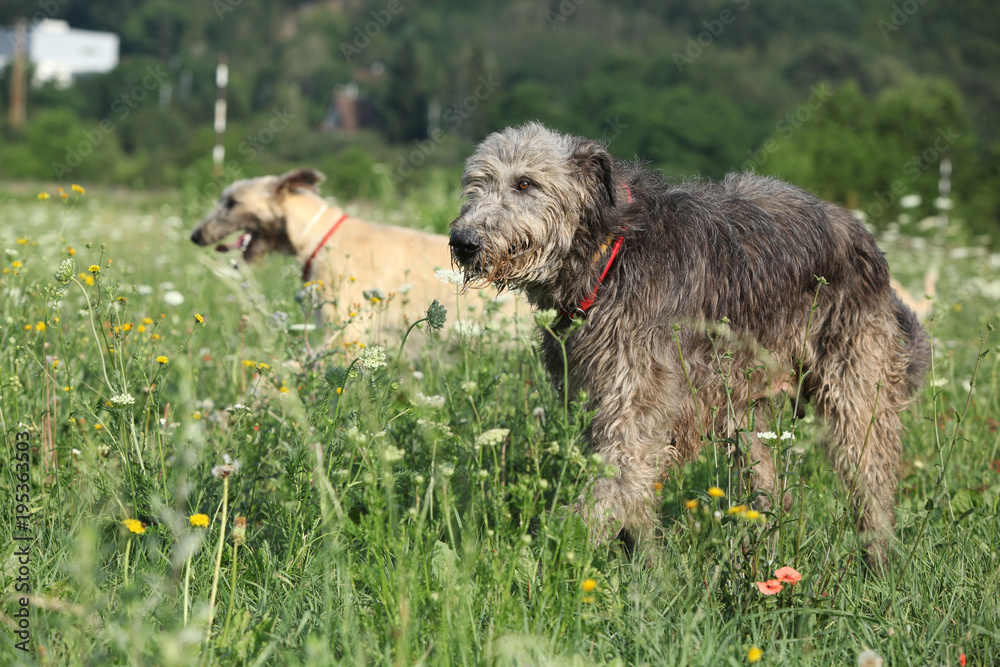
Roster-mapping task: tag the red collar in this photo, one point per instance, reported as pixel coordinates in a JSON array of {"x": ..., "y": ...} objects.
[
  {"x": 308, "y": 265},
  {"x": 586, "y": 303}
]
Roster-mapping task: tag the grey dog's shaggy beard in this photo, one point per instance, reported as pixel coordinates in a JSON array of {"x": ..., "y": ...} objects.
[{"x": 722, "y": 293}]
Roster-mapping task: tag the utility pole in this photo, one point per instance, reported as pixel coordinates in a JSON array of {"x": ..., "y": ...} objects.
[
  {"x": 221, "y": 82},
  {"x": 15, "y": 118}
]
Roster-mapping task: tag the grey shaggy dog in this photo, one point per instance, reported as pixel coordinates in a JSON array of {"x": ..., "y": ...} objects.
[{"x": 704, "y": 314}]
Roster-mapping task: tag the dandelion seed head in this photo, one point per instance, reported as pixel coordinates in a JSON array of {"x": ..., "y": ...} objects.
[{"x": 869, "y": 658}]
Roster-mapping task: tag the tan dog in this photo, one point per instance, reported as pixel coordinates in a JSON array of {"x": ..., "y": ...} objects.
[{"x": 372, "y": 274}]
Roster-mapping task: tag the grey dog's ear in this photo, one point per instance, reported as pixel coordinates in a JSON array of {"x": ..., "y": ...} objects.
[
  {"x": 298, "y": 178},
  {"x": 596, "y": 162}
]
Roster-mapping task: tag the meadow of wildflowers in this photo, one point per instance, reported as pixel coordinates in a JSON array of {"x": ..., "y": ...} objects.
[{"x": 205, "y": 481}]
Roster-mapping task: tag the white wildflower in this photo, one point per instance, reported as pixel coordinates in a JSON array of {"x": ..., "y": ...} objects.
[
  {"x": 422, "y": 401},
  {"x": 373, "y": 358},
  {"x": 910, "y": 201},
  {"x": 469, "y": 387},
  {"x": 787, "y": 435},
  {"x": 392, "y": 454},
  {"x": 122, "y": 401},
  {"x": 539, "y": 413},
  {"x": 467, "y": 328},
  {"x": 446, "y": 470},
  {"x": 418, "y": 376},
  {"x": 450, "y": 277},
  {"x": 76, "y": 452},
  {"x": 767, "y": 435},
  {"x": 492, "y": 437},
  {"x": 173, "y": 298}
]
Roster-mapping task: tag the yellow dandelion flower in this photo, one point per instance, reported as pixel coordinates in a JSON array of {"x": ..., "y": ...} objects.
[
  {"x": 141, "y": 328},
  {"x": 16, "y": 264},
  {"x": 70, "y": 250},
  {"x": 754, "y": 654},
  {"x": 283, "y": 389},
  {"x": 147, "y": 320},
  {"x": 691, "y": 504},
  {"x": 340, "y": 390},
  {"x": 155, "y": 336},
  {"x": 55, "y": 363},
  {"x": 737, "y": 509},
  {"x": 22, "y": 242},
  {"x": 162, "y": 359},
  {"x": 588, "y": 585},
  {"x": 135, "y": 526},
  {"x": 64, "y": 195},
  {"x": 98, "y": 427},
  {"x": 716, "y": 492},
  {"x": 199, "y": 520},
  {"x": 68, "y": 389},
  {"x": 588, "y": 599},
  {"x": 248, "y": 364},
  {"x": 40, "y": 326},
  {"x": 76, "y": 188},
  {"x": 199, "y": 319},
  {"x": 658, "y": 487},
  {"x": 751, "y": 515},
  {"x": 94, "y": 268},
  {"x": 43, "y": 195},
  {"x": 27, "y": 327},
  {"x": 263, "y": 367},
  {"x": 6, "y": 270}
]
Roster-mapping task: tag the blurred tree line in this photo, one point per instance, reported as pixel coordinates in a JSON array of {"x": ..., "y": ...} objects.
[{"x": 855, "y": 100}]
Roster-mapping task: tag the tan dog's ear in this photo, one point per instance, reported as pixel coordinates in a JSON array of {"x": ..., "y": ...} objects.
[{"x": 298, "y": 178}]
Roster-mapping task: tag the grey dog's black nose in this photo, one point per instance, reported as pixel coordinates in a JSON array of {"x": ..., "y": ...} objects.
[
  {"x": 197, "y": 237},
  {"x": 465, "y": 245}
]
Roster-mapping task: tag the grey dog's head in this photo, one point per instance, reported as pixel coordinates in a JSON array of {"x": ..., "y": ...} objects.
[
  {"x": 528, "y": 192},
  {"x": 255, "y": 207}
]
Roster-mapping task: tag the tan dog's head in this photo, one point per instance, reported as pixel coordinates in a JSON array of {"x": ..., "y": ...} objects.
[{"x": 255, "y": 207}]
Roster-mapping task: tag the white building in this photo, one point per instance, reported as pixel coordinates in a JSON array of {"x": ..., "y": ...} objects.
[{"x": 59, "y": 53}]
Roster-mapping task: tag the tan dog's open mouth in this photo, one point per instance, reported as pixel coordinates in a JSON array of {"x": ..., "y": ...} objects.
[{"x": 242, "y": 244}]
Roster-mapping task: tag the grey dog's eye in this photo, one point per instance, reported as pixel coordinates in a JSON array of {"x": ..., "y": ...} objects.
[
  {"x": 523, "y": 184},
  {"x": 230, "y": 202}
]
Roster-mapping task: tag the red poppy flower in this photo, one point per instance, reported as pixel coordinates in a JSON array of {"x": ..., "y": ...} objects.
[
  {"x": 769, "y": 587},
  {"x": 788, "y": 575}
]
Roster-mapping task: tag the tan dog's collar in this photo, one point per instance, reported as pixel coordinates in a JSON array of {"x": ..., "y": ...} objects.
[{"x": 307, "y": 267}]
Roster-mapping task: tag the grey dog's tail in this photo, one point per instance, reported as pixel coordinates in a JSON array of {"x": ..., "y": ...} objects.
[{"x": 918, "y": 343}]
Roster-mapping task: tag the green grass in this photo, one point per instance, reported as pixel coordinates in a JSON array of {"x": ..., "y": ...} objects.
[{"x": 383, "y": 526}]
